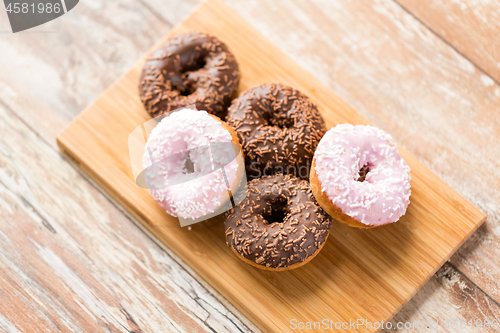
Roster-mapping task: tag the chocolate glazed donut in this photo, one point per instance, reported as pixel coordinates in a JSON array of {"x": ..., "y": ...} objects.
[
  {"x": 279, "y": 225},
  {"x": 190, "y": 69},
  {"x": 279, "y": 129}
]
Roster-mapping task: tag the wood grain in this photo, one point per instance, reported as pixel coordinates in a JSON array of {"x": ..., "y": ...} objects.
[
  {"x": 459, "y": 299},
  {"x": 350, "y": 49},
  {"x": 48, "y": 75},
  {"x": 63, "y": 65},
  {"x": 471, "y": 27},
  {"x": 409, "y": 82},
  {"x": 70, "y": 260},
  {"x": 436, "y": 223}
]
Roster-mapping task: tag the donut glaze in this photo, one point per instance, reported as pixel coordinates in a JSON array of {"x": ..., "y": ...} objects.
[
  {"x": 189, "y": 69},
  {"x": 380, "y": 198},
  {"x": 279, "y": 129},
  {"x": 190, "y": 134},
  {"x": 279, "y": 225}
]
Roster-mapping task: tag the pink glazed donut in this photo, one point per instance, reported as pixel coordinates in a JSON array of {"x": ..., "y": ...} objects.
[
  {"x": 359, "y": 177},
  {"x": 190, "y": 163}
]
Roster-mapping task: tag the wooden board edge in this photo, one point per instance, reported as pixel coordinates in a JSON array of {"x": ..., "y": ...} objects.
[
  {"x": 144, "y": 226},
  {"x": 140, "y": 221},
  {"x": 140, "y": 61},
  {"x": 446, "y": 259}
]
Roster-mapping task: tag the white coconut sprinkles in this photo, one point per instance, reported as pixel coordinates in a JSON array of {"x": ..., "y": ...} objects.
[
  {"x": 384, "y": 194},
  {"x": 184, "y": 135}
]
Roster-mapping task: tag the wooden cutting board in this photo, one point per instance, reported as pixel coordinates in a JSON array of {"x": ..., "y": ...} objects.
[{"x": 359, "y": 275}]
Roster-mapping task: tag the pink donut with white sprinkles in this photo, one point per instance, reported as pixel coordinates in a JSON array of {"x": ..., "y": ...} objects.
[
  {"x": 195, "y": 189},
  {"x": 359, "y": 177}
]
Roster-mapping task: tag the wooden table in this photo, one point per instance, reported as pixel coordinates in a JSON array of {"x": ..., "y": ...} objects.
[{"x": 72, "y": 260}]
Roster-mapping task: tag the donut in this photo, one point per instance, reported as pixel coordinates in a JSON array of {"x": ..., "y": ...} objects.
[
  {"x": 359, "y": 177},
  {"x": 189, "y": 69},
  {"x": 279, "y": 225},
  {"x": 279, "y": 129},
  {"x": 189, "y": 161}
]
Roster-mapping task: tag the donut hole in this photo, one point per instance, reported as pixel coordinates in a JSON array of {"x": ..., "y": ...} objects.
[
  {"x": 273, "y": 119},
  {"x": 195, "y": 65},
  {"x": 188, "y": 166},
  {"x": 363, "y": 172},
  {"x": 188, "y": 90},
  {"x": 189, "y": 82},
  {"x": 277, "y": 213},
  {"x": 188, "y": 86}
]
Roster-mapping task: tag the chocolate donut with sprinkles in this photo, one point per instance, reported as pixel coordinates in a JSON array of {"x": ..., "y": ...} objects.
[
  {"x": 279, "y": 225},
  {"x": 279, "y": 129},
  {"x": 190, "y": 69}
]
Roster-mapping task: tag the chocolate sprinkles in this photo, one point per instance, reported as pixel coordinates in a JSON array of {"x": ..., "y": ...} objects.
[
  {"x": 190, "y": 69},
  {"x": 277, "y": 244},
  {"x": 279, "y": 129}
]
